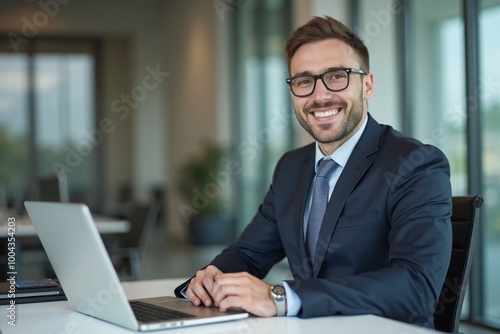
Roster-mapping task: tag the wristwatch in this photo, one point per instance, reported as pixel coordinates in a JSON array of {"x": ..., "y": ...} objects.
[{"x": 278, "y": 294}]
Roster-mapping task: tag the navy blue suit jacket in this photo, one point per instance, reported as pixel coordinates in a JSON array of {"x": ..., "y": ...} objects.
[{"x": 385, "y": 242}]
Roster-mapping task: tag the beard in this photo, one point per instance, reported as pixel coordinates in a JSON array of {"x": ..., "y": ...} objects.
[{"x": 341, "y": 128}]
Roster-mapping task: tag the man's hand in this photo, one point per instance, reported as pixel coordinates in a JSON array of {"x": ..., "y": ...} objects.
[
  {"x": 244, "y": 291},
  {"x": 201, "y": 286},
  {"x": 210, "y": 286}
]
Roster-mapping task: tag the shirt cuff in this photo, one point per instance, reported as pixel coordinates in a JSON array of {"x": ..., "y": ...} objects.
[
  {"x": 183, "y": 291},
  {"x": 293, "y": 303}
]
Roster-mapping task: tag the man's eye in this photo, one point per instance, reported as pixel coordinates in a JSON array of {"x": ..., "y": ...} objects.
[
  {"x": 336, "y": 76},
  {"x": 301, "y": 82}
]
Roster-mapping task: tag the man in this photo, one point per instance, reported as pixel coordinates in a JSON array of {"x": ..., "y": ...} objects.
[{"x": 384, "y": 242}]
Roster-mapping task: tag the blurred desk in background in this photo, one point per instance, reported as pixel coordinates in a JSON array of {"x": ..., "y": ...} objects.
[{"x": 13, "y": 228}]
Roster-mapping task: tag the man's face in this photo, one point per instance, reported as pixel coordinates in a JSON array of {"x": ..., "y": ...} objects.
[{"x": 331, "y": 118}]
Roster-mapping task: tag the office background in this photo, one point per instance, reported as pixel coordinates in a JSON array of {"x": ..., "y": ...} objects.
[{"x": 119, "y": 94}]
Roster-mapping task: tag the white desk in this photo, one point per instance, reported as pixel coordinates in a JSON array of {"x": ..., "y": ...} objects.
[{"x": 58, "y": 317}]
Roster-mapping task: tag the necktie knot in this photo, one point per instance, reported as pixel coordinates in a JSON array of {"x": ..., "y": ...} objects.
[{"x": 326, "y": 167}]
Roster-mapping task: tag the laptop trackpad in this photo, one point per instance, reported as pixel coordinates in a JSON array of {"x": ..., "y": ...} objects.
[
  {"x": 175, "y": 303},
  {"x": 186, "y": 306}
]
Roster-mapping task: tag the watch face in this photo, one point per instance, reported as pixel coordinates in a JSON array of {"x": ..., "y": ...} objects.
[{"x": 278, "y": 290}]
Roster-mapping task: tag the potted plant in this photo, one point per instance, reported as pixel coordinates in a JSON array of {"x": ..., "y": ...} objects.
[{"x": 202, "y": 189}]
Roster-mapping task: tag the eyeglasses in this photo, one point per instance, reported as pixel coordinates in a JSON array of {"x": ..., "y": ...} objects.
[{"x": 335, "y": 80}]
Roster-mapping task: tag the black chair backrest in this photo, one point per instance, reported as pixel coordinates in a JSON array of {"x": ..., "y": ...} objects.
[
  {"x": 142, "y": 220},
  {"x": 53, "y": 188},
  {"x": 464, "y": 220}
]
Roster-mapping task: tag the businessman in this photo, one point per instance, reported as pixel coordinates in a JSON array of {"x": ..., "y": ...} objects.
[{"x": 362, "y": 214}]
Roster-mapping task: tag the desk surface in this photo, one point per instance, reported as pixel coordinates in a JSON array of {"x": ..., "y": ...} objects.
[{"x": 58, "y": 317}]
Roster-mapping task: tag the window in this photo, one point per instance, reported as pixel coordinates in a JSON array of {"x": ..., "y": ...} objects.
[
  {"x": 14, "y": 125},
  {"x": 489, "y": 77},
  {"x": 64, "y": 107},
  {"x": 263, "y": 115},
  {"x": 47, "y": 116},
  {"x": 438, "y": 78}
]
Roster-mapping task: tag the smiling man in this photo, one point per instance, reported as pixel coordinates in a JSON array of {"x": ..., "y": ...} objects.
[
  {"x": 331, "y": 119},
  {"x": 362, "y": 214}
]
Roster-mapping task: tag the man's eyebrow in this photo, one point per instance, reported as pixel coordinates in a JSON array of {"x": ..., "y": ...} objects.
[
  {"x": 323, "y": 71},
  {"x": 303, "y": 73}
]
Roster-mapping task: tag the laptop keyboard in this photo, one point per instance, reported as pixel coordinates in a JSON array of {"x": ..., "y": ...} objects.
[{"x": 147, "y": 312}]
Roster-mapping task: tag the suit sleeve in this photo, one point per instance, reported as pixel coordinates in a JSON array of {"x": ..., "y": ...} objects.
[{"x": 418, "y": 210}]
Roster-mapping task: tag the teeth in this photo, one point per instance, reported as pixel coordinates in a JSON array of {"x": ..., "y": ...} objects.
[{"x": 326, "y": 113}]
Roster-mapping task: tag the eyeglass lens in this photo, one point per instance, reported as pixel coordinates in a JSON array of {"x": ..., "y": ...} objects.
[{"x": 335, "y": 80}]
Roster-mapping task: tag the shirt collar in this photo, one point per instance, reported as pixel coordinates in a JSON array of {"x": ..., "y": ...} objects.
[{"x": 342, "y": 154}]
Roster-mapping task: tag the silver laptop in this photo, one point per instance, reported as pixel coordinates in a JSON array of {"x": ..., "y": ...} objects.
[{"x": 82, "y": 265}]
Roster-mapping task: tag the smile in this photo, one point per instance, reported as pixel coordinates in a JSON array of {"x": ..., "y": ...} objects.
[{"x": 327, "y": 113}]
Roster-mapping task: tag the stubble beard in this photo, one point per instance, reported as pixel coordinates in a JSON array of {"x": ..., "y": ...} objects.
[{"x": 327, "y": 133}]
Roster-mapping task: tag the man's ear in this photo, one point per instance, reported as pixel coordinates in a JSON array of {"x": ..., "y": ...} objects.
[{"x": 368, "y": 86}]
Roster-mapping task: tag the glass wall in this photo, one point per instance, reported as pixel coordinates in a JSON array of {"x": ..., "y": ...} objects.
[
  {"x": 65, "y": 118},
  {"x": 263, "y": 115},
  {"x": 489, "y": 77},
  {"x": 438, "y": 114},
  {"x": 47, "y": 119},
  {"x": 14, "y": 127}
]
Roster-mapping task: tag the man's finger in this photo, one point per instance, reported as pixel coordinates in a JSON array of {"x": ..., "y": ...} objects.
[
  {"x": 192, "y": 297},
  {"x": 197, "y": 294}
]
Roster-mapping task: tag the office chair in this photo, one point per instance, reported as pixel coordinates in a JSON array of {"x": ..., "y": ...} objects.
[
  {"x": 464, "y": 220},
  {"x": 142, "y": 220},
  {"x": 53, "y": 188}
]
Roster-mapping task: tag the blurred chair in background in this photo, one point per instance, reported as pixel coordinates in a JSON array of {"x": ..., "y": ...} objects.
[
  {"x": 53, "y": 188},
  {"x": 127, "y": 255},
  {"x": 3, "y": 197}
]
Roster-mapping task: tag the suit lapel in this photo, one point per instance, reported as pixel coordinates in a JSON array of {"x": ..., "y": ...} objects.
[
  {"x": 356, "y": 167},
  {"x": 306, "y": 170}
]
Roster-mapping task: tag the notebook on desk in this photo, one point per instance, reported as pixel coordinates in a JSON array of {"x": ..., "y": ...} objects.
[
  {"x": 10, "y": 291},
  {"x": 84, "y": 269}
]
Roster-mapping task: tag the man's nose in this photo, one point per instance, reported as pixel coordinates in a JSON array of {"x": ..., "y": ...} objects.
[{"x": 320, "y": 91}]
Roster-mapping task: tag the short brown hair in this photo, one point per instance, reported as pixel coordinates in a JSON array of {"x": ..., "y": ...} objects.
[{"x": 321, "y": 28}]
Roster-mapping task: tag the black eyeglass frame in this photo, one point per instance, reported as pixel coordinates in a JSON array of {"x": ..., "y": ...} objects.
[{"x": 321, "y": 76}]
